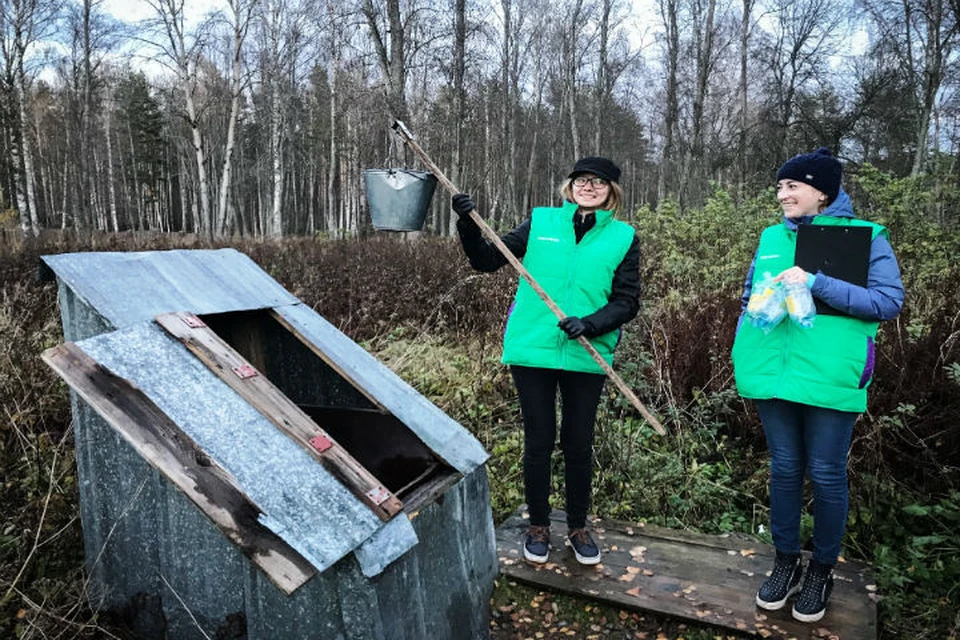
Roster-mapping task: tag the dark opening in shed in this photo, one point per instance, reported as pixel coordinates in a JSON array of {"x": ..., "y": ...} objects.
[{"x": 384, "y": 445}]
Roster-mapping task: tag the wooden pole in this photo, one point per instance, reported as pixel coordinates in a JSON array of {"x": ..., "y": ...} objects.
[{"x": 401, "y": 130}]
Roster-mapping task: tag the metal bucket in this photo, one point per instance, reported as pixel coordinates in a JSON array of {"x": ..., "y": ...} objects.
[{"x": 398, "y": 198}]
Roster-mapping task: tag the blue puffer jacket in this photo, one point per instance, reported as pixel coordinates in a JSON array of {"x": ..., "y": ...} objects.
[{"x": 883, "y": 295}]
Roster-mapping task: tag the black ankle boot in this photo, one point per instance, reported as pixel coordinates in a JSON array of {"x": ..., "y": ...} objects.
[
  {"x": 784, "y": 581},
  {"x": 811, "y": 604}
]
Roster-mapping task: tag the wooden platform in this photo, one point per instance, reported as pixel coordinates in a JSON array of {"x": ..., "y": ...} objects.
[{"x": 706, "y": 579}]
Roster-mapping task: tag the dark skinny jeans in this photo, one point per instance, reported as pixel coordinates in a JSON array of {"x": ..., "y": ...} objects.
[{"x": 579, "y": 397}]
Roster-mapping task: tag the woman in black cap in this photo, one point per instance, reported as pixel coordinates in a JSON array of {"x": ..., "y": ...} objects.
[
  {"x": 588, "y": 263},
  {"x": 810, "y": 382}
]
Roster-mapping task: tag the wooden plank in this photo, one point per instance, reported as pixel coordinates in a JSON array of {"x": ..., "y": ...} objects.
[
  {"x": 175, "y": 455},
  {"x": 263, "y": 395},
  {"x": 326, "y": 358},
  {"x": 706, "y": 579}
]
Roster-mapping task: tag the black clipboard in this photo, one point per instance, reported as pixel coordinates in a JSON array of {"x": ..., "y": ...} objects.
[{"x": 839, "y": 251}]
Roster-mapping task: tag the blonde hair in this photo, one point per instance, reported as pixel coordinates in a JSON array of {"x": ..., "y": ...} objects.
[{"x": 614, "y": 201}]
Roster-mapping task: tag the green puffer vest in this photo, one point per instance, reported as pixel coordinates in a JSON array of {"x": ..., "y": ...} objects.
[
  {"x": 577, "y": 276},
  {"x": 828, "y": 365}
]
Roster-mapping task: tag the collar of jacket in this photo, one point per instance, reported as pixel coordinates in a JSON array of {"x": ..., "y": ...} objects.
[
  {"x": 841, "y": 207},
  {"x": 603, "y": 215}
]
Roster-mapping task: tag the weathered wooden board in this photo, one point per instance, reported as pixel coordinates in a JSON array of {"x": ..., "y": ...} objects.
[
  {"x": 257, "y": 390},
  {"x": 707, "y": 579},
  {"x": 175, "y": 455}
]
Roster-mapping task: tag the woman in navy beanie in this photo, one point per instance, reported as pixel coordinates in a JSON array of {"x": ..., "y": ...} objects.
[
  {"x": 810, "y": 383},
  {"x": 588, "y": 262}
]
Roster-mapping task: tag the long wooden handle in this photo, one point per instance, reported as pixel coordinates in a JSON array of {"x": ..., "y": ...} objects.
[{"x": 492, "y": 236}]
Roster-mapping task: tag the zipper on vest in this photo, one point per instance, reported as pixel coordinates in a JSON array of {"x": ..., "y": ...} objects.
[{"x": 565, "y": 342}]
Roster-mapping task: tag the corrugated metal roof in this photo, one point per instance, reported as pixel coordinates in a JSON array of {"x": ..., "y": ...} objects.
[
  {"x": 302, "y": 502},
  {"x": 128, "y": 288}
]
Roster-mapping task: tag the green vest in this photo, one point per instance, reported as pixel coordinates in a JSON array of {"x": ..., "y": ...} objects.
[
  {"x": 577, "y": 276},
  {"x": 828, "y": 365}
]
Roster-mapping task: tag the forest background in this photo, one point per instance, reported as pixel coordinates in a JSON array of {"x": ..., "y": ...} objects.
[{"x": 252, "y": 127}]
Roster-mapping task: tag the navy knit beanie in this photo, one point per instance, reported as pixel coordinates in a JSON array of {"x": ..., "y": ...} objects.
[
  {"x": 600, "y": 167},
  {"x": 819, "y": 169}
]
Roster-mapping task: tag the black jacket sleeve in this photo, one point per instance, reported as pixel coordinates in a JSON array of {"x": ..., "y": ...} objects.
[
  {"x": 624, "y": 303},
  {"x": 483, "y": 256}
]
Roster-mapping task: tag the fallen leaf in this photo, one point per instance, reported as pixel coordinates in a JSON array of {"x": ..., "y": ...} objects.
[
  {"x": 627, "y": 577},
  {"x": 731, "y": 552},
  {"x": 749, "y": 574},
  {"x": 632, "y": 569},
  {"x": 637, "y": 552},
  {"x": 872, "y": 588},
  {"x": 635, "y": 592},
  {"x": 21, "y": 614},
  {"x": 647, "y": 572},
  {"x": 747, "y": 552}
]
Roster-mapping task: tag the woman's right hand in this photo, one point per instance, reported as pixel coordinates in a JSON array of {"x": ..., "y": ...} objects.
[{"x": 462, "y": 205}]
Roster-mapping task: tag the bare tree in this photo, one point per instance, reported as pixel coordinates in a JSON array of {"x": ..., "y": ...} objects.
[
  {"x": 182, "y": 51},
  {"x": 746, "y": 22},
  {"x": 23, "y": 24},
  {"x": 241, "y": 14},
  {"x": 670, "y": 13},
  {"x": 923, "y": 36},
  {"x": 391, "y": 50},
  {"x": 796, "y": 53}
]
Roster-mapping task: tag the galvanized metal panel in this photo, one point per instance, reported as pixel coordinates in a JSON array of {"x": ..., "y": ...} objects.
[
  {"x": 439, "y": 589},
  {"x": 386, "y": 545},
  {"x": 128, "y": 288},
  {"x": 446, "y": 437},
  {"x": 302, "y": 503}
]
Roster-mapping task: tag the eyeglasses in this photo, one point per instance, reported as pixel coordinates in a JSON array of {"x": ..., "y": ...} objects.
[{"x": 596, "y": 182}]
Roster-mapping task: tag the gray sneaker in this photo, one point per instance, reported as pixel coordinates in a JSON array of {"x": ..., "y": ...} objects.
[
  {"x": 536, "y": 546},
  {"x": 584, "y": 547}
]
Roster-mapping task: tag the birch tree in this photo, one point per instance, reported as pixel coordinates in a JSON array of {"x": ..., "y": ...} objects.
[
  {"x": 182, "y": 50},
  {"x": 241, "y": 14},
  {"x": 23, "y": 24}
]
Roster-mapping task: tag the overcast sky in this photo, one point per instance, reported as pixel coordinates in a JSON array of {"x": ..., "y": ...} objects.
[{"x": 135, "y": 10}]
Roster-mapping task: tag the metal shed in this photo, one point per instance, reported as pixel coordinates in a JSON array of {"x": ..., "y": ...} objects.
[{"x": 248, "y": 471}]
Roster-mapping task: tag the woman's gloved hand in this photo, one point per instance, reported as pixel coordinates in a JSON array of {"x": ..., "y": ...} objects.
[
  {"x": 462, "y": 205},
  {"x": 575, "y": 327}
]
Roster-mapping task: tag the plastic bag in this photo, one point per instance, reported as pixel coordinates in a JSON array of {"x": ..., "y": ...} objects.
[
  {"x": 767, "y": 307},
  {"x": 800, "y": 304}
]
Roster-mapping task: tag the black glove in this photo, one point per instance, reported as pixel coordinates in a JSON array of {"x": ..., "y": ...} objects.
[
  {"x": 575, "y": 327},
  {"x": 462, "y": 205}
]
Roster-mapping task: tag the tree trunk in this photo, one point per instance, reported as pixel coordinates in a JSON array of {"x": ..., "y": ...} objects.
[
  {"x": 668, "y": 10},
  {"x": 242, "y": 13}
]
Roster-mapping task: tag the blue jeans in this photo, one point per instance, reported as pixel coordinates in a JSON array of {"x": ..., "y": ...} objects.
[{"x": 812, "y": 440}]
